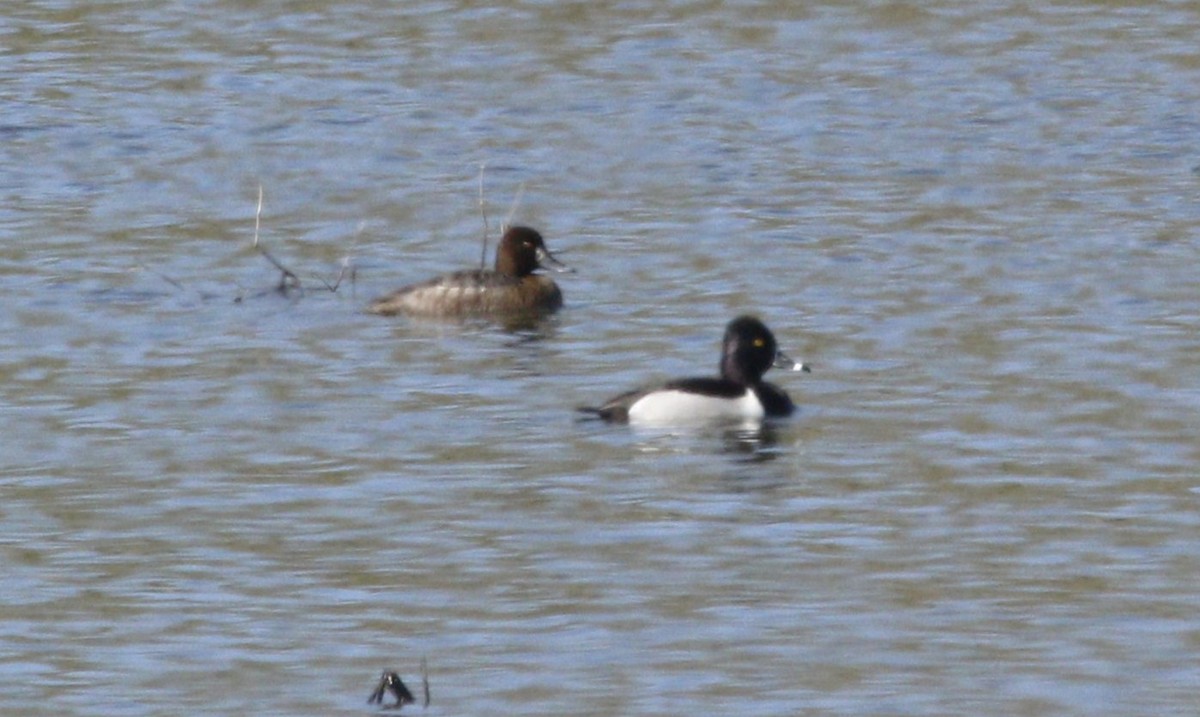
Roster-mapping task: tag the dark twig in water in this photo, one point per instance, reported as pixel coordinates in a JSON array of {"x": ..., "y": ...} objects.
[
  {"x": 348, "y": 268},
  {"x": 203, "y": 295},
  {"x": 164, "y": 277},
  {"x": 288, "y": 279},
  {"x": 391, "y": 682},
  {"x": 425, "y": 681}
]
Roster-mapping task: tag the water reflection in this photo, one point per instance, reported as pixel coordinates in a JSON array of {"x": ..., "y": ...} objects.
[
  {"x": 749, "y": 442},
  {"x": 752, "y": 444}
]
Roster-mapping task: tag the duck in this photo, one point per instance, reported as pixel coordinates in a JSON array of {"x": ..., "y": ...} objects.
[
  {"x": 510, "y": 289},
  {"x": 738, "y": 394}
]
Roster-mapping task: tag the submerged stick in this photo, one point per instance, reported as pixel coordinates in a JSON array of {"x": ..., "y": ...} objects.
[
  {"x": 173, "y": 282},
  {"x": 202, "y": 295}
]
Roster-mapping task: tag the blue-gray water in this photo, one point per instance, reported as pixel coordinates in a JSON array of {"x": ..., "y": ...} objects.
[{"x": 977, "y": 223}]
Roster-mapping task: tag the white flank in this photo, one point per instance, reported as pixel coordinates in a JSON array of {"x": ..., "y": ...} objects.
[{"x": 672, "y": 408}]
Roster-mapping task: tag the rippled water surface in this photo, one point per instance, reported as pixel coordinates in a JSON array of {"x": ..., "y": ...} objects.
[{"x": 977, "y": 223}]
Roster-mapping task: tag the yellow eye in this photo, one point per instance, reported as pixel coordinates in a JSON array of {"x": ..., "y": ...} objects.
[{"x": 759, "y": 343}]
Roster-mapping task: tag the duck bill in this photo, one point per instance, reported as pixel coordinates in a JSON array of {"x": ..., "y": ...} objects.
[
  {"x": 785, "y": 362},
  {"x": 546, "y": 260}
]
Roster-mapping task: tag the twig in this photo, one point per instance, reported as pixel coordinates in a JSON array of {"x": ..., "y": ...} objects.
[
  {"x": 203, "y": 295},
  {"x": 163, "y": 276},
  {"x": 483, "y": 211},
  {"x": 348, "y": 267},
  {"x": 513, "y": 209},
  {"x": 257, "y": 216},
  {"x": 425, "y": 681},
  {"x": 288, "y": 278},
  {"x": 391, "y": 682}
]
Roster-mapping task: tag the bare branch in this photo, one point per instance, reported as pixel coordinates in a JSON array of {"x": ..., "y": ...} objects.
[
  {"x": 513, "y": 209},
  {"x": 425, "y": 681},
  {"x": 348, "y": 268},
  {"x": 483, "y": 212},
  {"x": 288, "y": 279}
]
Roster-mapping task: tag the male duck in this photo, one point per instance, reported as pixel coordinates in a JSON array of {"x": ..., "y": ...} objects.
[{"x": 739, "y": 394}]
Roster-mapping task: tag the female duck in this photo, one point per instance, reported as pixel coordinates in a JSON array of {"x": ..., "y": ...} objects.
[
  {"x": 739, "y": 394},
  {"x": 511, "y": 289}
]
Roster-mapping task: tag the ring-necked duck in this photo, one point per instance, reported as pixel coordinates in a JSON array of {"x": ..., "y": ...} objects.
[
  {"x": 510, "y": 289},
  {"x": 739, "y": 394}
]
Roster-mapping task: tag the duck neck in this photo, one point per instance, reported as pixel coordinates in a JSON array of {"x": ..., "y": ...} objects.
[{"x": 733, "y": 370}]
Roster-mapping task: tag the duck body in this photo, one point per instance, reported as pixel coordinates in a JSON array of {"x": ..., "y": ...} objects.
[
  {"x": 510, "y": 289},
  {"x": 738, "y": 394},
  {"x": 479, "y": 292}
]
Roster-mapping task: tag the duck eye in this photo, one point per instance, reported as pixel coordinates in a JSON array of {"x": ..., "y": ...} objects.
[{"x": 759, "y": 343}]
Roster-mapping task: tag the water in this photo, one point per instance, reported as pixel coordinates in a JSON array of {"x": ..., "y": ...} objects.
[{"x": 977, "y": 223}]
